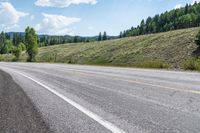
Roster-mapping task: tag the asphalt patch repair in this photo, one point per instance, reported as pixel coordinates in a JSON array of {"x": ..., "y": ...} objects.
[{"x": 17, "y": 113}]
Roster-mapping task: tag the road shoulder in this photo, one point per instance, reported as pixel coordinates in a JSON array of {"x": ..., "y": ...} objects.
[{"x": 17, "y": 112}]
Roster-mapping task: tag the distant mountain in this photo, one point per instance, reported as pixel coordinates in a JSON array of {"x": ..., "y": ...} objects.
[{"x": 11, "y": 34}]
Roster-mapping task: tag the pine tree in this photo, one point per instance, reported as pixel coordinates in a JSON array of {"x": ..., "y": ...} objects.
[
  {"x": 100, "y": 37},
  {"x": 75, "y": 39},
  {"x": 121, "y": 35},
  {"x": 105, "y": 36},
  {"x": 2, "y": 42},
  {"x": 186, "y": 9}
]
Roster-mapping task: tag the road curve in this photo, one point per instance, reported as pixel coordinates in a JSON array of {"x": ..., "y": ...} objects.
[
  {"x": 88, "y": 99},
  {"x": 17, "y": 113}
]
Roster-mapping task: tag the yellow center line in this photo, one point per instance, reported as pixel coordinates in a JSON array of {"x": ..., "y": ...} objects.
[{"x": 116, "y": 77}]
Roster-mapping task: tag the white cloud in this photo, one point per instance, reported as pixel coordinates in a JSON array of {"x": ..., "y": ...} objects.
[
  {"x": 9, "y": 15},
  {"x": 56, "y": 24},
  {"x": 63, "y": 3},
  {"x": 178, "y": 6}
]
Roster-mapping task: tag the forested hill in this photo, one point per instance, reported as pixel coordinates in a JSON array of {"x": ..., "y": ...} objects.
[{"x": 185, "y": 17}]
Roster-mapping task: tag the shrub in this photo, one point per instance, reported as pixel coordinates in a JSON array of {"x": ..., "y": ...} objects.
[
  {"x": 17, "y": 52},
  {"x": 22, "y": 46},
  {"x": 192, "y": 64},
  {"x": 6, "y": 57},
  {"x": 1, "y": 58}
]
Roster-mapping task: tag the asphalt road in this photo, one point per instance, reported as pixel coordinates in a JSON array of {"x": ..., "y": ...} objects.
[
  {"x": 17, "y": 113},
  {"x": 91, "y": 99}
]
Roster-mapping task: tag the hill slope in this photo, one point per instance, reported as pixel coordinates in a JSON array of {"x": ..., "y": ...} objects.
[{"x": 170, "y": 48}]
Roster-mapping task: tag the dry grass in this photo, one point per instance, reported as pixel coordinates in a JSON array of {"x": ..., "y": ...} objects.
[{"x": 169, "y": 49}]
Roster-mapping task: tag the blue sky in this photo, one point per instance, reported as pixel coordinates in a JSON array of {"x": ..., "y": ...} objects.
[{"x": 80, "y": 17}]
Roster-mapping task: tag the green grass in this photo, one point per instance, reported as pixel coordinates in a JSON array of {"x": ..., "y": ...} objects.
[
  {"x": 192, "y": 64},
  {"x": 162, "y": 50}
]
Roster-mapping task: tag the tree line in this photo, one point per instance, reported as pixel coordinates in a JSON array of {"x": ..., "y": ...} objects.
[
  {"x": 15, "y": 46},
  {"x": 48, "y": 40},
  {"x": 185, "y": 17},
  {"x": 102, "y": 37}
]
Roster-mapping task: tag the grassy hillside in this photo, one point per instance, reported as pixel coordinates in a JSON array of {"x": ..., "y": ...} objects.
[{"x": 168, "y": 49}]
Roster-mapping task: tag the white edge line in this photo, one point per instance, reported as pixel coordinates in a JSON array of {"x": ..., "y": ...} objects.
[{"x": 87, "y": 112}]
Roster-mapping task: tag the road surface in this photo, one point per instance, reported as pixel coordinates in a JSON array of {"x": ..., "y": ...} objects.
[{"x": 91, "y": 99}]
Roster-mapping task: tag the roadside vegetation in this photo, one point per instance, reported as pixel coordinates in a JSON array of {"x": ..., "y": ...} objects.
[
  {"x": 9, "y": 48},
  {"x": 192, "y": 64},
  {"x": 162, "y": 50}
]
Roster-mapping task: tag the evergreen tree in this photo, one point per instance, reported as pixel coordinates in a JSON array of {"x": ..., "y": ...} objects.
[
  {"x": 100, "y": 37},
  {"x": 75, "y": 39},
  {"x": 186, "y": 8},
  {"x": 2, "y": 42},
  {"x": 121, "y": 35},
  {"x": 105, "y": 36},
  {"x": 7, "y": 36},
  {"x": 5, "y": 44},
  {"x": 142, "y": 27},
  {"x": 124, "y": 33},
  {"x": 5, "y": 49}
]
